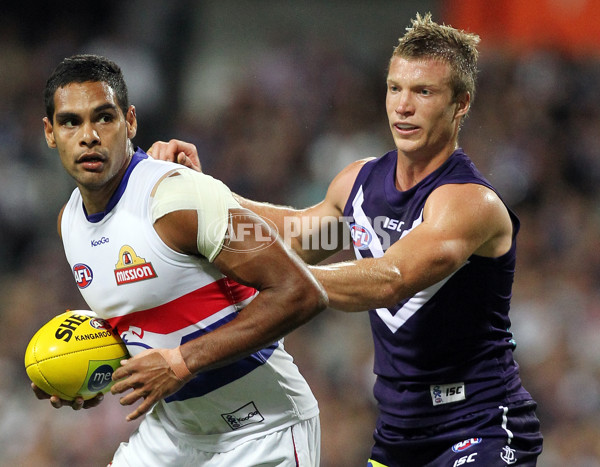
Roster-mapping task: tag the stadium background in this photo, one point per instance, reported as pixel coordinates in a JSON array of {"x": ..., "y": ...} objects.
[{"x": 278, "y": 96}]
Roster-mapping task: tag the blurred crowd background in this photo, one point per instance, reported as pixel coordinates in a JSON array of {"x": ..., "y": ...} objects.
[{"x": 278, "y": 96}]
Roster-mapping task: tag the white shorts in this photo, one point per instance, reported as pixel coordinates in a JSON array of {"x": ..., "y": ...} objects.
[{"x": 150, "y": 446}]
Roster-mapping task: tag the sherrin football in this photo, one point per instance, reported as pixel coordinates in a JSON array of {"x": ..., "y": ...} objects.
[{"x": 74, "y": 354}]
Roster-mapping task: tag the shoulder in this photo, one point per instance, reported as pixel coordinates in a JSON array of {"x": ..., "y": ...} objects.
[
  {"x": 59, "y": 222},
  {"x": 182, "y": 182},
  {"x": 477, "y": 211},
  {"x": 341, "y": 186},
  {"x": 467, "y": 197}
]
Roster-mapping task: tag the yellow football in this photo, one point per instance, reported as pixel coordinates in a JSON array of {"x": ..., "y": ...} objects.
[{"x": 74, "y": 354}]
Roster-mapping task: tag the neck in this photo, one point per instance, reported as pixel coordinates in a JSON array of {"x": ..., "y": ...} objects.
[
  {"x": 411, "y": 169},
  {"x": 96, "y": 198}
]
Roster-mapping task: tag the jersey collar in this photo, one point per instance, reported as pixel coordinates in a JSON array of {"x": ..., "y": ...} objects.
[{"x": 137, "y": 157}]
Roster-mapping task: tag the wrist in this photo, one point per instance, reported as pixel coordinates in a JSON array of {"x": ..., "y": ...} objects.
[{"x": 177, "y": 364}]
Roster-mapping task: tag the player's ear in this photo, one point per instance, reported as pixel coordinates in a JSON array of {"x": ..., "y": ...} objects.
[
  {"x": 463, "y": 103},
  {"x": 49, "y": 133},
  {"x": 131, "y": 121}
]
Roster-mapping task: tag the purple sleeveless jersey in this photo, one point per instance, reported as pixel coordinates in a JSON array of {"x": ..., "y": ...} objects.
[{"x": 446, "y": 351}]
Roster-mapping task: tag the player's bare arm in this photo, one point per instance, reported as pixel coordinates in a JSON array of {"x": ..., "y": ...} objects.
[
  {"x": 459, "y": 221},
  {"x": 303, "y": 229},
  {"x": 295, "y": 226},
  {"x": 289, "y": 296}
]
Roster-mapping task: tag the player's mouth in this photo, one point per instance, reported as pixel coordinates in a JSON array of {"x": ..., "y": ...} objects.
[
  {"x": 91, "y": 161},
  {"x": 405, "y": 128}
]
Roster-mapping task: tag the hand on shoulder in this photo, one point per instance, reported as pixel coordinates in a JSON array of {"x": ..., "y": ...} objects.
[{"x": 177, "y": 151}]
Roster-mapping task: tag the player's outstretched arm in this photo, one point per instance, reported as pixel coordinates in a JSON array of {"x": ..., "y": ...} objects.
[
  {"x": 458, "y": 221},
  {"x": 309, "y": 232},
  {"x": 76, "y": 404}
]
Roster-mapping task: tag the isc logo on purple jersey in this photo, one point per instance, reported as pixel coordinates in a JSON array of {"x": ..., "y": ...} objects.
[
  {"x": 361, "y": 237},
  {"x": 466, "y": 444},
  {"x": 83, "y": 275}
]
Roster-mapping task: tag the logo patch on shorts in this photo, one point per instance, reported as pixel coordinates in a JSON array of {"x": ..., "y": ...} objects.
[
  {"x": 508, "y": 455},
  {"x": 446, "y": 393},
  {"x": 243, "y": 416},
  {"x": 466, "y": 444}
]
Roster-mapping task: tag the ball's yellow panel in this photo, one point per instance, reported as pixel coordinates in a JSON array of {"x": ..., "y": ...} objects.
[{"x": 74, "y": 354}]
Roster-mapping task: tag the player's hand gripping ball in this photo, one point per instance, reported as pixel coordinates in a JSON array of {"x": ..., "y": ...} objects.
[{"x": 74, "y": 354}]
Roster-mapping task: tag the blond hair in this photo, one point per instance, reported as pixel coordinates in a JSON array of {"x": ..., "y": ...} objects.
[{"x": 426, "y": 39}]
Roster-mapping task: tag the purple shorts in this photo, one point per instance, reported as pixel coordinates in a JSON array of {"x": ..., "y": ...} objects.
[{"x": 503, "y": 436}]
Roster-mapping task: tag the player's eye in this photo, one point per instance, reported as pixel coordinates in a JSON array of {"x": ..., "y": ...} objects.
[
  {"x": 105, "y": 118},
  {"x": 68, "y": 122}
]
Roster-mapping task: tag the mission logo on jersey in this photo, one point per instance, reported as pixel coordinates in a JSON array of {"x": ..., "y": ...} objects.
[{"x": 132, "y": 268}]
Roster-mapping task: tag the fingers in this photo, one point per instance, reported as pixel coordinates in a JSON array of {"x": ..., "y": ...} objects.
[
  {"x": 134, "y": 396},
  {"x": 158, "y": 151},
  {"x": 176, "y": 151},
  {"x": 149, "y": 377},
  {"x": 77, "y": 404},
  {"x": 164, "y": 151},
  {"x": 39, "y": 393},
  {"x": 184, "y": 160},
  {"x": 120, "y": 372},
  {"x": 93, "y": 402},
  {"x": 140, "y": 410}
]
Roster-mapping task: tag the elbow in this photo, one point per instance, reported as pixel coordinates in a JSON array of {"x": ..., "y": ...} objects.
[
  {"x": 394, "y": 288},
  {"x": 310, "y": 300},
  {"x": 399, "y": 285},
  {"x": 316, "y": 298},
  {"x": 390, "y": 295}
]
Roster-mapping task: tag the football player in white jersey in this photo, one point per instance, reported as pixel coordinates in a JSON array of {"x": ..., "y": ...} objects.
[{"x": 91, "y": 123}]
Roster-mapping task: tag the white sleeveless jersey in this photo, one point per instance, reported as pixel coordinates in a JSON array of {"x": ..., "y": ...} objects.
[{"x": 158, "y": 298}]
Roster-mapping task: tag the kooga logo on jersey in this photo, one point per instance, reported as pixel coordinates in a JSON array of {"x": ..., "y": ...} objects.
[{"x": 102, "y": 241}]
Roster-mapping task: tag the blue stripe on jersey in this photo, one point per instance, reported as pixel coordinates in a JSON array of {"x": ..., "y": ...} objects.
[{"x": 211, "y": 380}]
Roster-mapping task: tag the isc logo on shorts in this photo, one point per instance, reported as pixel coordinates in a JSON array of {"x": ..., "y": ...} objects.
[{"x": 446, "y": 393}]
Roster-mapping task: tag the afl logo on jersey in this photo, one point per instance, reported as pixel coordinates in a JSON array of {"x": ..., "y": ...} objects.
[
  {"x": 361, "y": 237},
  {"x": 83, "y": 275}
]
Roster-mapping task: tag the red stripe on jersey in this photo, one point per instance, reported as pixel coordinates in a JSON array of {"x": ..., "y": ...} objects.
[{"x": 187, "y": 309}]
